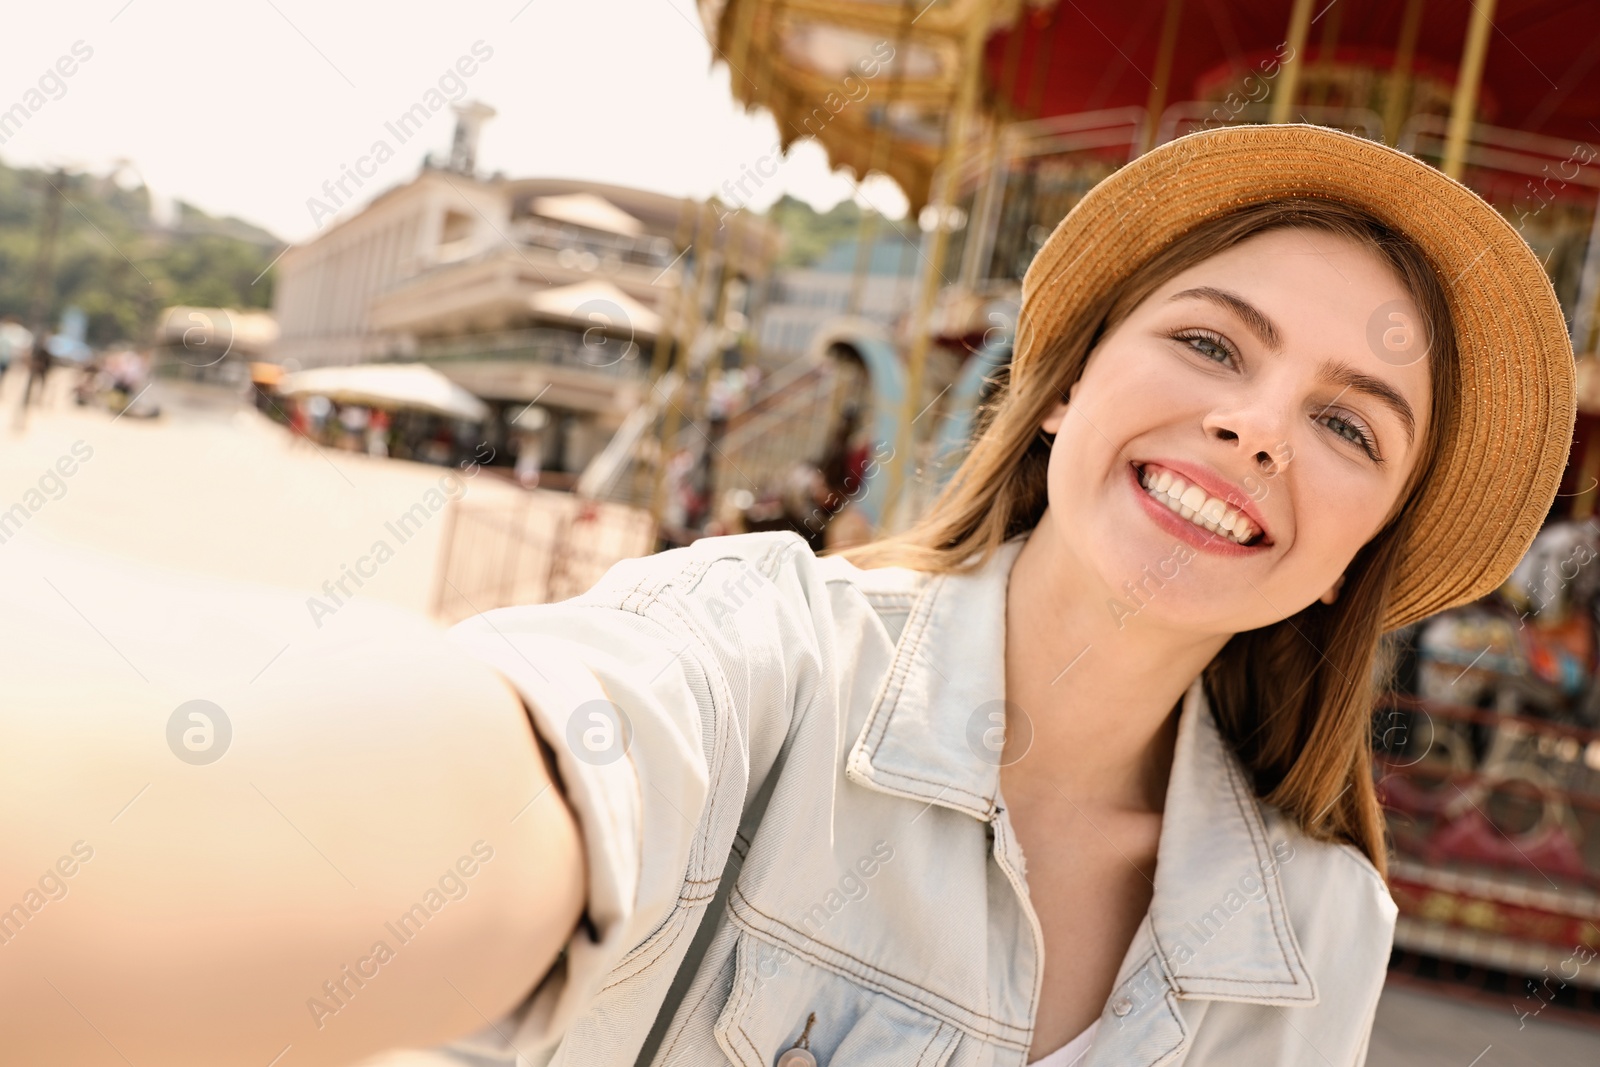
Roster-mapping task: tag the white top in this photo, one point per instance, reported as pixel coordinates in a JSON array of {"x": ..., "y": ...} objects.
[{"x": 1072, "y": 1052}]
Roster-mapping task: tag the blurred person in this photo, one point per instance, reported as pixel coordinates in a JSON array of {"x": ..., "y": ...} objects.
[
  {"x": 16, "y": 342},
  {"x": 39, "y": 362},
  {"x": 1078, "y": 763},
  {"x": 317, "y": 409},
  {"x": 299, "y": 420},
  {"x": 530, "y": 453},
  {"x": 353, "y": 421},
  {"x": 378, "y": 433}
]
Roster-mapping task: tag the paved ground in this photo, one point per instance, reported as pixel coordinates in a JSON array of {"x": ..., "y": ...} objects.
[
  {"x": 216, "y": 489},
  {"x": 212, "y": 490},
  {"x": 1421, "y": 1029}
]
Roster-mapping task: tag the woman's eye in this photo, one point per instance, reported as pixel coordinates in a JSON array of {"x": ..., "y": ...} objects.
[
  {"x": 1209, "y": 347},
  {"x": 1352, "y": 432}
]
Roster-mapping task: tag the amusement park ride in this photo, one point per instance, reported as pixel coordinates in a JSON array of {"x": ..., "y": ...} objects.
[{"x": 994, "y": 117}]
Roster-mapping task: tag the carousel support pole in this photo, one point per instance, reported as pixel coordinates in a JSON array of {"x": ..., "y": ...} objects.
[
  {"x": 1283, "y": 94},
  {"x": 986, "y": 207},
  {"x": 732, "y": 258},
  {"x": 1394, "y": 104},
  {"x": 1044, "y": 50},
  {"x": 1465, "y": 103},
  {"x": 661, "y": 355},
  {"x": 1583, "y": 309},
  {"x": 1588, "y": 474},
  {"x": 943, "y": 196},
  {"x": 691, "y": 312},
  {"x": 732, "y": 261},
  {"x": 985, "y": 222},
  {"x": 1157, "y": 101},
  {"x": 867, "y": 233},
  {"x": 1330, "y": 42}
]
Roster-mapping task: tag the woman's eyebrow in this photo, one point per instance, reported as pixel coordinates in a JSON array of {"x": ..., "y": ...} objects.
[
  {"x": 1252, "y": 316},
  {"x": 1345, "y": 375}
]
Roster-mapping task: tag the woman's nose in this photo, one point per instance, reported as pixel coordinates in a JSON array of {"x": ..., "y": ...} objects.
[{"x": 1259, "y": 430}]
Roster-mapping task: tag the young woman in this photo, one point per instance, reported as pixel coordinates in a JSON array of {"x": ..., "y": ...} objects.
[{"x": 1075, "y": 771}]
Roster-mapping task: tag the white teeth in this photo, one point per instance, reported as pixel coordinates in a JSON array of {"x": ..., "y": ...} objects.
[{"x": 1200, "y": 508}]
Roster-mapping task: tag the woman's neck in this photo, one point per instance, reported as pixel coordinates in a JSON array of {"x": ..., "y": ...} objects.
[{"x": 1099, "y": 692}]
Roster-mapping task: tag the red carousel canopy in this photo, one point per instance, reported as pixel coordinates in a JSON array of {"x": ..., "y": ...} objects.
[{"x": 1542, "y": 73}]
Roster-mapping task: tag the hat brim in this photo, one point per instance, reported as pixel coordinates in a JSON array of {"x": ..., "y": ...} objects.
[{"x": 1500, "y": 459}]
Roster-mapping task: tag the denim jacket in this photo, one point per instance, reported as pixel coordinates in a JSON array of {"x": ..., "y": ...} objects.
[{"x": 780, "y": 768}]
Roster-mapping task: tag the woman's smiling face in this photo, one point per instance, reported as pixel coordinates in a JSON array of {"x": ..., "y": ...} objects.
[{"x": 1254, "y": 380}]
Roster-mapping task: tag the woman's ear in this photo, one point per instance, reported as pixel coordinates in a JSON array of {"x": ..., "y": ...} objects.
[
  {"x": 1052, "y": 421},
  {"x": 1333, "y": 591}
]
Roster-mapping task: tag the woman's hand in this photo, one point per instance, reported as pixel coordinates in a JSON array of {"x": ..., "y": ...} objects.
[{"x": 376, "y": 858}]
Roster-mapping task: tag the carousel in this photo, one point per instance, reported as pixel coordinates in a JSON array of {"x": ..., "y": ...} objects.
[{"x": 994, "y": 118}]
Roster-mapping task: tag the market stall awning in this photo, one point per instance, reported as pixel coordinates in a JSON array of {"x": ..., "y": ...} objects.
[
  {"x": 596, "y": 305},
  {"x": 410, "y": 386},
  {"x": 266, "y": 374}
]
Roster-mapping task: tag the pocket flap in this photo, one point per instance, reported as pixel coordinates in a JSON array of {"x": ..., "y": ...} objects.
[{"x": 776, "y": 994}]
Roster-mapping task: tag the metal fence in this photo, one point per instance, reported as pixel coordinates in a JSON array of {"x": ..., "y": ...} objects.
[{"x": 545, "y": 547}]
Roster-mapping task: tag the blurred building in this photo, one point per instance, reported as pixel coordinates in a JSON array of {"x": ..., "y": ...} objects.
[
  {"x": 522, "y": 290},
  {"x": 806, "y": 299}
]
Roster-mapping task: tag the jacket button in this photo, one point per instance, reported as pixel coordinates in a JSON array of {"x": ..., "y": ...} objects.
[
  {"x": 797, "y": 1057},
  {"x": 1121, "y": 1006}
]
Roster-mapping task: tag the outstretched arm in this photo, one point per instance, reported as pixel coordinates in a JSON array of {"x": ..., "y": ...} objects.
[{"x": 378, "y": 857}]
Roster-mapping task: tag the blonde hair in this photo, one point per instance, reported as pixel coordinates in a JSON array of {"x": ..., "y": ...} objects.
[{"x": 1294, "y": 699}]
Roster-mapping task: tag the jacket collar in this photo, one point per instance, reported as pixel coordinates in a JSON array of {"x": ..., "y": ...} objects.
[{"x": 1218, "y": 915}]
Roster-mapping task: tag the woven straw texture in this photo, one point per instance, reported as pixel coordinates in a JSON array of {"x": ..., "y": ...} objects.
[{"x": 1500, "y": 462}]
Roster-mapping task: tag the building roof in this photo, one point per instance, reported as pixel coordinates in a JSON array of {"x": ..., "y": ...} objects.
[
  {"x": 590, "y": 211},
  {"x": 596, "y": 304}
]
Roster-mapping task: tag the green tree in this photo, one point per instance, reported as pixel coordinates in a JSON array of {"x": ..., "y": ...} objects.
[{"x": 117, "y": 264}]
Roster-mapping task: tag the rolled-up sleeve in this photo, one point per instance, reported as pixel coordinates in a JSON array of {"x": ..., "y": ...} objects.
[{"x": 661, "y": 698}]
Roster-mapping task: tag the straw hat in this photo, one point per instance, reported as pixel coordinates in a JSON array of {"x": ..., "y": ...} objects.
[{"x": 1500, "y": 462}]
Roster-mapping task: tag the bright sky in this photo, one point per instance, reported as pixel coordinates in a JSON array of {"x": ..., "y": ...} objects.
[{"x": 246, "y": 107}]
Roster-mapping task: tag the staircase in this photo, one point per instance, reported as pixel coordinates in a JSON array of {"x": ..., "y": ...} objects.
[{"x": 785, "y": 422}]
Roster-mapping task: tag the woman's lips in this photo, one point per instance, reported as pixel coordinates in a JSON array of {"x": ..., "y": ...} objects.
[{"x": 1182, "y": 528}]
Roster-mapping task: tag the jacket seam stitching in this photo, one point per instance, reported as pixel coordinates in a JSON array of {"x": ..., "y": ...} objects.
[
  {"x": 902, "y": 667},
  {"x": 719, "y": 753},
  {"x": 1277, "y": 933},
  {"x": 677, "y": 918},
  {"x": 733, "y": 961},
  {"x": 944, "y": 787},
  {"x": 866, "y": 971},
  {"x": 1254, "y": 828}
]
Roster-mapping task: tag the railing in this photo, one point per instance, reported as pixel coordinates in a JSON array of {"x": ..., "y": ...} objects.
[
  {"x": 784, "y": 426},
  {"x": 786, "y": 421},
  {"x": 643, "y": 251},
  {"x": 543, "y": 548},
  {"x": 614, "y": 357}
]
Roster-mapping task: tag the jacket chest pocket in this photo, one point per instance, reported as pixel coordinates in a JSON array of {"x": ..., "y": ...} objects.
[{"x": 780, "y": 1000}]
